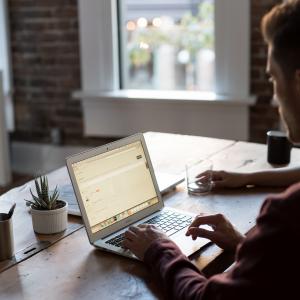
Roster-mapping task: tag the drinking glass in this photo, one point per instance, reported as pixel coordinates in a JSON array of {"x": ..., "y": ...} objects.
[{"x": 199, "y": 176}]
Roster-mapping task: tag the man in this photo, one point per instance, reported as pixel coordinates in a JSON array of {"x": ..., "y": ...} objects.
[{"x": 268, "y": 258}]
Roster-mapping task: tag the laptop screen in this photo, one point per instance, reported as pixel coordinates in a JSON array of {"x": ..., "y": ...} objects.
[{"x": 115, "y": 185}]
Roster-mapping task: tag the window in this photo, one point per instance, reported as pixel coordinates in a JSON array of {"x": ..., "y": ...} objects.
[
  {"x": 102, "y": 67},
  {"x": 110, "y": 109},
  {"x": 167, "y": 45}
]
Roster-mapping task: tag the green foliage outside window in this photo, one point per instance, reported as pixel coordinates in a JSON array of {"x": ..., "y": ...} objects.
[{"x": 192, "y": 33}]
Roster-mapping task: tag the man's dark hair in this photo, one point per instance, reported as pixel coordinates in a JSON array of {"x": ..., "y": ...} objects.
[{"x": 281, "y": 29}]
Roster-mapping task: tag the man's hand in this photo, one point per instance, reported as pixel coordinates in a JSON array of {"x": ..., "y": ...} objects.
[
  {"x": 138, "y": 239},
  {"x": 223, "y": 179},
  {"x": 222, "y": 234}
]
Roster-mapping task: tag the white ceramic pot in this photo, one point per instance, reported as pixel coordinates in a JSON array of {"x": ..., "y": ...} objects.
[{"x": 50, "y": 221}]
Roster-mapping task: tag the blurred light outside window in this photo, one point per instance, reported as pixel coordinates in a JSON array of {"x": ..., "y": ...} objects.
[{"x": 168, "y": 45}]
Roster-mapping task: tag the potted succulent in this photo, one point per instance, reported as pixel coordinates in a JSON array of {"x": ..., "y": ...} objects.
[{"x": 49, "y": 213}]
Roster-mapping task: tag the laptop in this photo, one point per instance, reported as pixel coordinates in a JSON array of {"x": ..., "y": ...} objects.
[
  {"x": 115, "y": 187},
  {"x": 166, "y": 183}
]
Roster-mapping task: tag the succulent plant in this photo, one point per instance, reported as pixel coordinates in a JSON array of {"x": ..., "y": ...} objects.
[{"x": 44, "y": 200}]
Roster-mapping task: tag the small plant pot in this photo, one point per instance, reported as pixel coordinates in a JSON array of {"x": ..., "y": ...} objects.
[{"x": 50, "y": 221}]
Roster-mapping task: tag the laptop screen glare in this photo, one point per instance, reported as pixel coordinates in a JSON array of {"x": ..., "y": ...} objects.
[{"x": 115, "y": 185}]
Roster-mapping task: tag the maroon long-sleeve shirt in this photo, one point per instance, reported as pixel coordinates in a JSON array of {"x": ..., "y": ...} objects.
[{"x": 267, "y": 262}]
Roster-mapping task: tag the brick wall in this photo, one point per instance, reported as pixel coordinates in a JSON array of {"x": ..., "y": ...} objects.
[
  {"x": 45, "y": 59},
  {"x": 263, "y": 116},
  {"x": 46, "y": 69}
]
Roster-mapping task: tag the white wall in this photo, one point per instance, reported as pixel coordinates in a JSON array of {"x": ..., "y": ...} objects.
[
  {"x": 232, "y": 47},
  {"x": 118, "y": 114}
]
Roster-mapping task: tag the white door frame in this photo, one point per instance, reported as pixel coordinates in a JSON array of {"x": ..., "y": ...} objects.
[
  {"x": 5, "y": 65},
  {"x": 5, "y": 171}
]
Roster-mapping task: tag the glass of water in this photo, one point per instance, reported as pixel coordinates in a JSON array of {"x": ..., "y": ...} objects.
[{"x": 199, "y": 176}]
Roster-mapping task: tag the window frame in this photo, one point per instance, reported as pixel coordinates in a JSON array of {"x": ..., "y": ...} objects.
[
  {"x": 5, "y": 65},
  {"x": 124, "y": 56},
  {"x": 100, "y": 62},
  {"x": 110, "y": 111},
  {"x": 6, "y": 116}
]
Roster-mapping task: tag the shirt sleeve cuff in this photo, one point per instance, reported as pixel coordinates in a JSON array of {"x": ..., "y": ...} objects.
[{"x": 161, "y": 247}]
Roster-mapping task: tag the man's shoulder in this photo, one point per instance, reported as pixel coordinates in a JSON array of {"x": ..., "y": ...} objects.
[
  {"x": 285, "y": 205},
  {"x": 292, "y": 193},
  {"x": 292, "y": 190}
]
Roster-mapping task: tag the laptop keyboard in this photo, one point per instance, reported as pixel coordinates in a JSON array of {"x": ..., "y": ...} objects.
[{"x": 168, "y": 221}]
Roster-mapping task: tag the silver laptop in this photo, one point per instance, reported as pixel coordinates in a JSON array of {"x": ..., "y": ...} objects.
[
  {"x": 115, "y": 187},
  {"x": 166, "y": 183}
]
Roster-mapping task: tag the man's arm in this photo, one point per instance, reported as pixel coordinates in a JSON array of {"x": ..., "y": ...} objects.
[
  {"x": 281, "y": 177},
  {"x": 264, "y": 264},
  {"x": 276, "y": 177}
]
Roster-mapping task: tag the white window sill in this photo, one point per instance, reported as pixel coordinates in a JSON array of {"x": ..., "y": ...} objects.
[
  {"x": 124, "y": 112},
  {"x": 164, "y": 96}
]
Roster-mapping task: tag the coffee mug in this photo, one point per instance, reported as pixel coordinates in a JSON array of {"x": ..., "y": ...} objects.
[{"x": 279, "y": 148}]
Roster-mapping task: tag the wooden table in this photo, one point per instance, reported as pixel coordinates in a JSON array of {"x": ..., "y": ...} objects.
[{"x": 66, "y": 266}]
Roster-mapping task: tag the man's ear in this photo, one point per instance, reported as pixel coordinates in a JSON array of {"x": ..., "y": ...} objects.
[
  {"x": 297, "y": 75},
  {"x": 297, "y": 80}
]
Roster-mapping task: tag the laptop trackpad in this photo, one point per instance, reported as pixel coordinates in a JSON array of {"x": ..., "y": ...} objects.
[{"x": 186, "y": 244}]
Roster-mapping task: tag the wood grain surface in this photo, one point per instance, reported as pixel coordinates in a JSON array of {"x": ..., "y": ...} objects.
[{"x": 72, "y": 269}]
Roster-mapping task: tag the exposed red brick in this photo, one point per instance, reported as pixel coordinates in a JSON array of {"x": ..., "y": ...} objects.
[{"x": 46, "y": 67}]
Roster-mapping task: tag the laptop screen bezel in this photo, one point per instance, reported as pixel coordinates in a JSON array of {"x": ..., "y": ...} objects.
[{"x": 129, "y": 220}]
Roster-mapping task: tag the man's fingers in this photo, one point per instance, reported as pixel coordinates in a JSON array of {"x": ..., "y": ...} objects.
[
  {"x": 145, "y": 225},
  {"x": 217, "y": 178},
  {"x": 127, "y": 244},
  {"x": 148, "y": 227},
  {"x": 215, "y": 175},
  {"x": 204, "y": 174},
  {"x": 130, "y": 235},
  {"x": 207, "y": 220},
  {"x": 203, "y": 179},
  {"x": 134, "y": 229},
  {"x": 200, "y": 232}
]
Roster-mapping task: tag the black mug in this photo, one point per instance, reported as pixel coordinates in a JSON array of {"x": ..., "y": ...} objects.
[{"x": 279, "y": 148}]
